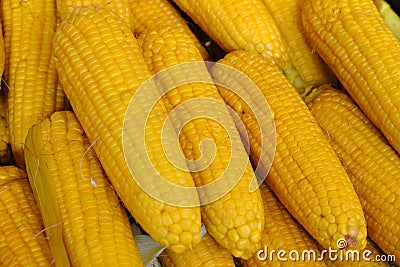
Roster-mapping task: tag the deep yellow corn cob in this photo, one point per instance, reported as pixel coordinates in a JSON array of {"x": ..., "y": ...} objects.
[
  {"x": 22, "y": 239},
  {"x": 306, "y": 175},
  {"x": 287, "y": 15},
  {"x": 282, "y": 232},
  {"x": 95, "y": 227},
  {"x": 150, "y": 14},
  {"x": 65, "y": 8},
  {"x": 239, "y": 25},
  {"x": 101, "y": 67},
  {"x": 30, "y": 74},
  {"x": 208, "y": 253},
  {"x": 5, "y": 150},
  {"x": 235, "y": 220},
  {"x": 373, "y": 166},
  {"x": 372, "y": 256},
  {"x": 364, "y": 54}
]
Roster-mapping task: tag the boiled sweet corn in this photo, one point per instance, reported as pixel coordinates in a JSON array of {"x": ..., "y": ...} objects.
[
  {"x": 97, "y": 52},
  {"x": 150, "y": 14},
  {"x": 239, "y": 25},
  {"x": 30, "y": 74},
  {"x": 65, "y": 8},
  {"x": 372, "y": 164},
  {"x": 312, "y": 69},
  {"x": 95, "y": 227},
  {"x": 305, "y": 166},
  {"x": 23, "y": 241},
  {"x": 236, "y": 219},
  {"x": 364, "y": 54}
]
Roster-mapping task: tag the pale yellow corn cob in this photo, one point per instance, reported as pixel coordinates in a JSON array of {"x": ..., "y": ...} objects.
[
  {"x": 208, "y": 253},
  {"x": 282, "y": 232},
  {"x": 287, "y": 15},
  {"x": 22, "y": 239},
  {"x": 236, "y": 219},
  {"x": 372, "y": 164},
  {"x": 101, "y": 67},
  {"x": 95, "y": 227},
  {"x": 30, "y": 74},
  {"x": 364, "y": 54},
  {"x": 306, "y": 175},
  {"x": 150, "y": 14}
]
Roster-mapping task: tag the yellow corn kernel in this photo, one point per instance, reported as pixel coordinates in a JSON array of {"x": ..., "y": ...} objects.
[
  {"x": 95, "y": 227},
  {"x": 65, "y": 8},
  {"x": 239, "y": 25},
  {"x": 282, "y": 232},
  {"x": 312, "y": 69},
  {"x": 208, "y": 253},
  {"x": 236, "y": 219},
  {"x": 372, "y": 164},
  {"x": 364, "y": 54},
  {"x": 306, "y": 175},
  {"x": 22, "y": 239},
  {"x": 30, "y": 75},
  {"x": 150, "y": 14},
  {"x": 101, "y": 67}
]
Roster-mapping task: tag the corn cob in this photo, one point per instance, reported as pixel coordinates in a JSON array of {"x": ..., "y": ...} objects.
[
  {"x": 5, "y": 150},
  {"x": 30, "y": 74},
  {"x": 282, "y": 232},
  {"x": 236, "y": 219},
  {"x": 390, "y": 17},
  {"x": 312, "y": 69},
  {"x": 239, "y": 25},
  {"x": 358, "y": 259},
  {"x": 306, "y": 175},
  {"x": 95, "y": 228},
  {"x": 208, "y": 253},
  {"x": 97, "y": 52},
  {"x": 361, "y": 148},
  {"x": 364, "y": 54},
  {"x": 22, "y": 239},
  {"x": 65, "y": 8},
  {"x": 150, "y": 14}
]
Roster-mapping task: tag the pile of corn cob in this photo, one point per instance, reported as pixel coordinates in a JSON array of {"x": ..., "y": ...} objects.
[{"x": 74, "y": 175}]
